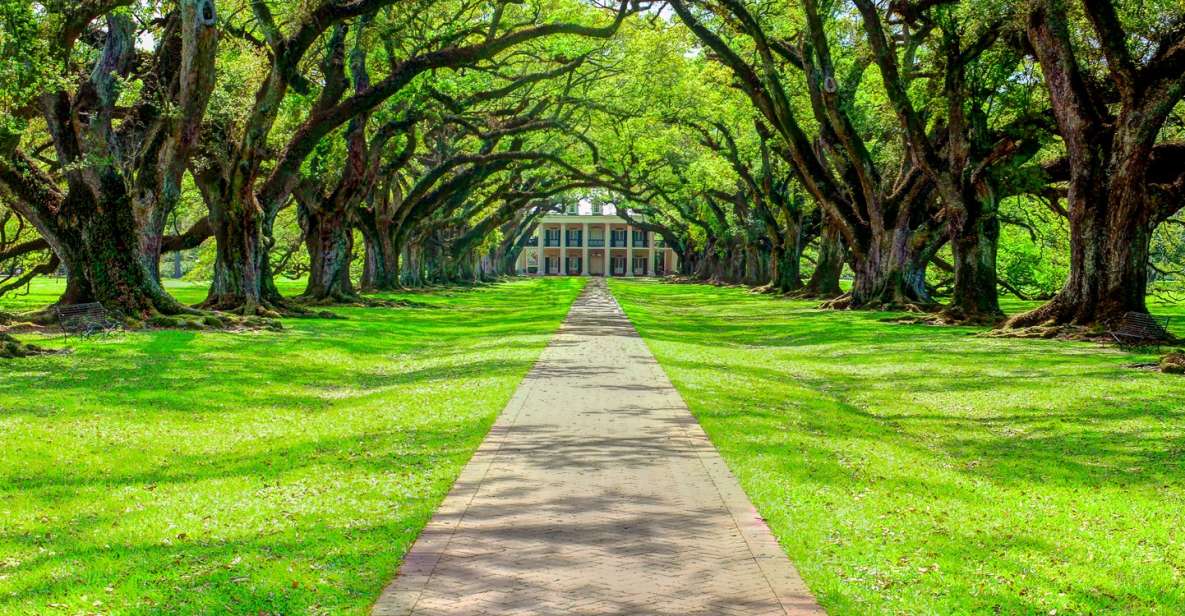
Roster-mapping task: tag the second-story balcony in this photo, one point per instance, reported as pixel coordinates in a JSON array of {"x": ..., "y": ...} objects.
[
  {"x": 617, "y": 244},
  {"x": 551, "y": 242},
  {"x": 596, "y": 242},
  {"x": 574, "y": 242},
  {"x": 640, "y": 244}
]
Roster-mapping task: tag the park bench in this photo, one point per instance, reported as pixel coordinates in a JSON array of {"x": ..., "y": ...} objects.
[
  {"x": 1140, "y": 329},
  {"x": 85, "y": 319}
]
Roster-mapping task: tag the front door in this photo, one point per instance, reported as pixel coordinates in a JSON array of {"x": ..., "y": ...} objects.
[
  {"x": 596, "y": 263},
  {"x": 640, "y": 266},
  {"x": 619, "y": 266}
]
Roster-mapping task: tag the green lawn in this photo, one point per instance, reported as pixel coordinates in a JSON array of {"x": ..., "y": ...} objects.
[
  {"x": 193, "y": 472},
  {"x": 909, "y": 469}
]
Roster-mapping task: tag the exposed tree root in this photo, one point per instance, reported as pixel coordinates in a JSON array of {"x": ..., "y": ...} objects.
[
  {"x": 845, "y": 302},
  {"x": 807, "y": 293},
  {"x": 11, "y": 348},
  {"x": 274, "y": 307},
  {"x": 1061, "y": 311},
  {"x": 1173, "y": 363},
  {"x": 956, "y": 316},
  {"x": 1051, "y": 314},
  {"x": 952, "y": 316},
  {"x": 212, "y": 321},
  {"x": 947, "y": 318},
  {"x": 238, "y": 306},
  {"x": 1049, "y": 332},
  {"x": 344, "y": 299}
]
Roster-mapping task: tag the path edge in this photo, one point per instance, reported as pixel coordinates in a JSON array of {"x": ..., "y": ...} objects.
[
  {"x": 403, "y": 591},
  {"x": 776, "y": 567}
]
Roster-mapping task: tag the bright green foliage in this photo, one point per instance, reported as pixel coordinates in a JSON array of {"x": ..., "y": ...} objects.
[
  {"x": 918, "y": 470},
  {"x": 285, "y": 473},
  {"x": 24, "y": 60}
]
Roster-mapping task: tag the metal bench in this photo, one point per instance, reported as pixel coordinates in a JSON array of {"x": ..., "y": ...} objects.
[
  {"x": 1140, "y": 329},
  {"x": 85, "y": 319}
]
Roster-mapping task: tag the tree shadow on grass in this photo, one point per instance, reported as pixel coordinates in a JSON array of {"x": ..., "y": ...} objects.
[
  {"x": 1038, "y": 474},
  {"x": 152, "y": 462}
]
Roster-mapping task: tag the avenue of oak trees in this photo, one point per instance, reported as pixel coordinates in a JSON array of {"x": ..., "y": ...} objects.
[{"x": 889, "y": 154}]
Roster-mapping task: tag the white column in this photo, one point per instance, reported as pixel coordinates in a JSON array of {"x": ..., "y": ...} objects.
[
  {"x": 563, "y": 248},
  {"x": 608, "y": 243},
  {"x": 649, "y": 253},
  {"x": 629, "y": 250},
  {"x": 584, "y": 249},
  {"x": 540, "y": 268}
]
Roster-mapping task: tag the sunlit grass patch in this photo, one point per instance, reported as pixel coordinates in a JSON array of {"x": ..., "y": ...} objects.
[
  {"x": 280, "y": 472},
  {"x": 911, "y": 469}
]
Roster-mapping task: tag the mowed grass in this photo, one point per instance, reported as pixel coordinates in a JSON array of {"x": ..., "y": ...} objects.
[
  {"x": 179, "y": 472},
  {"x": 909, "y": 469}
]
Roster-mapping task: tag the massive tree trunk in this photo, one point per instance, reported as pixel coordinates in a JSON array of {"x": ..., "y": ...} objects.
[
  {"x": 957, "y": 162},
  {"x": 463, "y": 268},
  {"x": 330, "y": 243},
  {"x": 754, "y": 271},
  {"x": 1109, "y": 156},
  {"x": 785, "y": 259},
  {"x": 101, "y": 249},
  {"x": 890, "y": 274},
  {"x": 238, "y": 284},
  {"x": 784, "y": 271},
  {"x": 411, "y": 272},
  {"x": 1110, "y": 233},
  {"x": 92, "y": 230},
  {"x": 380, "y": 270},
  {"x": 122, "y": 180},
  {"x": 974, "y": 238},
  {"x": 688, "y": 262},
  {"x": 824, "y": 281}
]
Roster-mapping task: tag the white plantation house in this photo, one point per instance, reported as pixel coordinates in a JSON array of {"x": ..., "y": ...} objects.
[{"x": 589, "y": 240}]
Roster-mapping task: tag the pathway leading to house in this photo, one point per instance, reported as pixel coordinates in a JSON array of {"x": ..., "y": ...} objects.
[{"x": 596, "y": 492}]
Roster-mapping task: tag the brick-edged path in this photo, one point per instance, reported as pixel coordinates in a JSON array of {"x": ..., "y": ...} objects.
[{"x": 596, "y": 492}]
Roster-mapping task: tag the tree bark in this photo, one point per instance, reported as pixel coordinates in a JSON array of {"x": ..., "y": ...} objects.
[
  {"x": 974, "y": 239},
  {"x": 824, "y": 281},
  {"x": 890, "y": 274},
  {"x": 238, "y": 284},
  {"x": 122, "y": 180},
  {"x": 380, "y": 270},
  {"x": 1111, "y": 214},
  {"x": 411, "y": 273},
  {"x": 785, "y": 257},
  {"x": 330, "y": 243},
  {"x": 1109, "y": 248}
]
